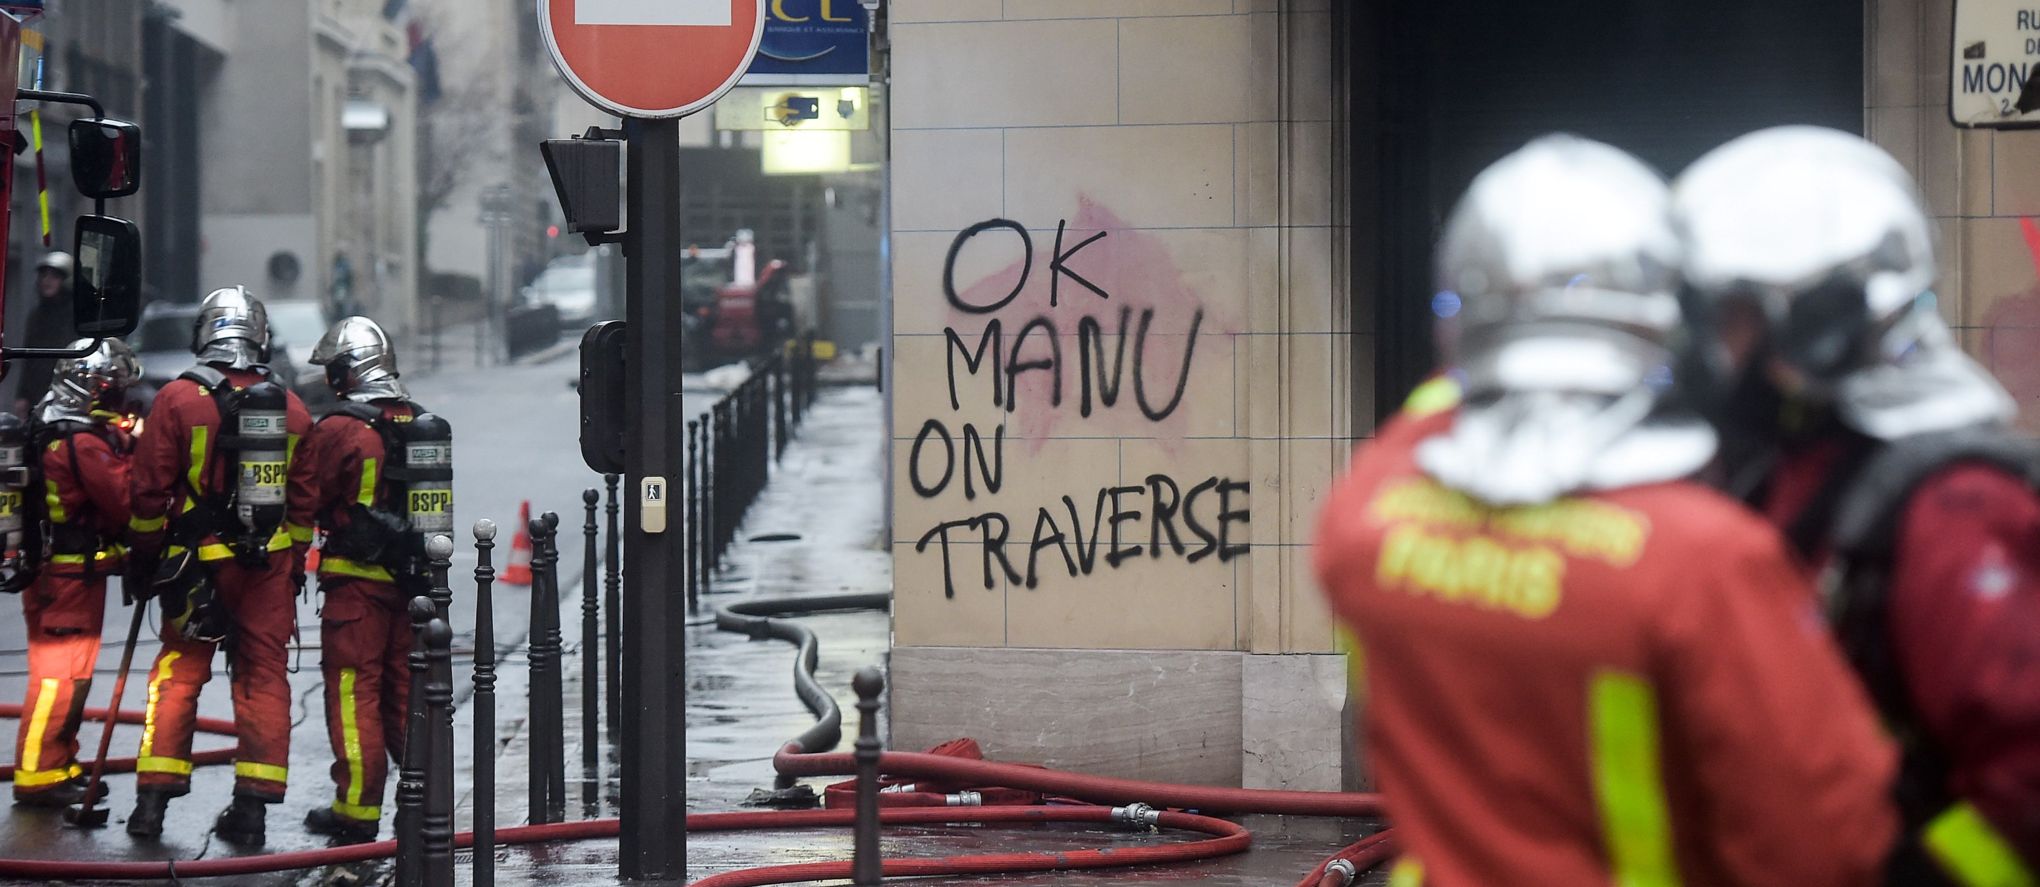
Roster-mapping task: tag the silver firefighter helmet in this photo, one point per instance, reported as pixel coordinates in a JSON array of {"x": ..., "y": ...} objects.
[
  {"x": 1562, "y": 264},
  {"x": 232, "y": 328},
  {"x": 359, "y": 360},
  {"x": 96, "y": 381},
  {"x": 1810, "y": 267},
  {"x": 56, "y": 260}
]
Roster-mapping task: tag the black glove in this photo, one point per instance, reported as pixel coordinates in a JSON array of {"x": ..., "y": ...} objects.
[{"x": 138, "y": 583}]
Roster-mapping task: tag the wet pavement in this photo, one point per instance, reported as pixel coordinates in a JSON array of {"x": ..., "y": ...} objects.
[{"x": 740, "y": 706}]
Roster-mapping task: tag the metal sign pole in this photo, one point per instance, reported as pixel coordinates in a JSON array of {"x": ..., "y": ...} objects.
[{"x": 654, "y": 735}]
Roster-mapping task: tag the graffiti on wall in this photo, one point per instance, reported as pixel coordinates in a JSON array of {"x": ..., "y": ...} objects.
[{"x": 1095, "y": 335}]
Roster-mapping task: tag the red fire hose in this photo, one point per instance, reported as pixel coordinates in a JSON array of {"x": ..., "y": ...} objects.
[
  {"x": 1084, "y": 787},
  {"x": 1227, "y": 838},
  {"x": 1359, "y": 857}
]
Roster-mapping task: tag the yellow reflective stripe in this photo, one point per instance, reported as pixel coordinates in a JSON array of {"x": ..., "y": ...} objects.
[
  {"x": 1432, "y": 397},
  {"x": 55, "y": 501},
  {"x": 38, "y": 724},
  {"x": 147, "y": 524},
  {"x": 153, "y": 764},
  {"x": 104, "y": 554},
  {"x": 1972, "y": 852},
  {"x": 156, "y": 695},
  {"x": 366, "y": 495},
  {"x": 340, "y": 566},
  {"x": 253, "y": 770},
  {"x": 1635, "y": 824},
  {"x": 218, "y": 551},
  {"x": 1408, "y": 872},
  {"x": 298, "y": 534},
  {"x": 40, "y": 778},
  {"x": 350, "y": 740},
  {"x": 195, "y": 472},
  {"x": 358, "y": 811}
]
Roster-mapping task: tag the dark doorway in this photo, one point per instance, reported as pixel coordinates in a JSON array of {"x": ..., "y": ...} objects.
[{"x": 1439, "y": 90}]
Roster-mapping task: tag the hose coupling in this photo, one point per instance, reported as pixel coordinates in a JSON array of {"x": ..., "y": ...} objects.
[
  {"x": 965, "y": 799},
  {"x": 1345, "y": 869},
  {"x": 1137, "y": 813},
  {"x": 905, "y": 789}
]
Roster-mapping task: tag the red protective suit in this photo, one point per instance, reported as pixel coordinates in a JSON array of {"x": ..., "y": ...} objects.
[
  {"x": 1964, "y": 628},
  {"x": 364, "y": 626},
  {"x": 85, "y": 484},
  {"x": 261, "y": 600},
  {"x": 1630, "y": 687}
]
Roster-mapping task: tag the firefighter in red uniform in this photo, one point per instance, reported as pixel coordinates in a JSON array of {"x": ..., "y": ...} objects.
[
  {"x": 1582, "y": 668},
  {"x": 82, "y": 442},
  {"x": 1884, "y": 452},
  {"x": 370, "y": 566},
  {"x": 222, "y": 518}
]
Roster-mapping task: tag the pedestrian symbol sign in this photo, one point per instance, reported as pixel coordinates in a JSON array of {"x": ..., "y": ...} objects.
[{"x": 652, "y": 504}]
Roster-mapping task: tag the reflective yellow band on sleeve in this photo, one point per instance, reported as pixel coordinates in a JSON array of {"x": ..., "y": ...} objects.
[
  {"x": 147, "y": 524},
  {"x": 299, "y": 535},
  {"x": 1628, "y": 782},
  {"x": 340, "y": 566},
  {"x": 153, "y": 764},
  {"x": 253, "y": 770},
  {"x": 366, "y": 495},
  {"x": 54, "y": 502},
  {"x": 1408, "y": 872},
  {"x": 195, "y": 472},
  {"x": 1432, "y": 397},
  {"x": 358, "y": 812},
  {"x": 1972, "y": 852}
]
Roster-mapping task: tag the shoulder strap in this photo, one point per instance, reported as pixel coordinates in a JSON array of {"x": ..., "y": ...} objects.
[
  {"x": 358, "y": 411},
  {"x": 206, "y": 375},
  {"x": 1867, "y": 514}
]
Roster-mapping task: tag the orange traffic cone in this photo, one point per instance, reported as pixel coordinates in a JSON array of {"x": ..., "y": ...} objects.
[{"x": 518, "y": 570}]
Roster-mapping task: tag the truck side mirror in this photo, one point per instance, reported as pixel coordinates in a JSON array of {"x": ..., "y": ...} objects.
[
  {"x": 106, "y": 157},
  {"x": 106, "y": 293}
]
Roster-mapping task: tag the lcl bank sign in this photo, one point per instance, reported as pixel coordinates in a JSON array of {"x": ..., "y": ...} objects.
[{"x": 813, "y": 42}]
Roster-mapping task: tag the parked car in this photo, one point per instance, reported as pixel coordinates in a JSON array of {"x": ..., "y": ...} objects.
[
  {"x": 568, "y": 284},
  {"x": 163, "y": 342}
]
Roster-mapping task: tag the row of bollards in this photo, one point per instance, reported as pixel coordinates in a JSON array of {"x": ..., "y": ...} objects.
[
  {"x": 425, "y": 782},
  {"x": 730, "y": 451}
]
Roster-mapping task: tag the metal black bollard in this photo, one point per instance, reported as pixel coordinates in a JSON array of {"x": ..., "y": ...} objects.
[
  {"x": 591, "y": 660},
  {"x": 779, "y": 377},
  {"x": 555, "y": 696},
  {"x": 417, "y": 754},
  {"x": 485, "y": 705},
  {"x": 865, "y": 867},
  {"x": 544, "y": 658},
  {"x": 438, "y": 820},
  {"x": 439, "y": 560},
  {"x": 612, "y": 593},
  {"x": 692, "y": 516}
]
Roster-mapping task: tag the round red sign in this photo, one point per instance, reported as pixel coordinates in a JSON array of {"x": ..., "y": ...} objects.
[{"x": 651, "y": 58}]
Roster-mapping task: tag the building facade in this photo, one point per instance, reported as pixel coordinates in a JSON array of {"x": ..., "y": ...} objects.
[{"x": 1158, "y": 264}]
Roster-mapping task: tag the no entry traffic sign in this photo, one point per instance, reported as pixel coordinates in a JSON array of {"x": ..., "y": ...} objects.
[{"x": 651, "y": 58}]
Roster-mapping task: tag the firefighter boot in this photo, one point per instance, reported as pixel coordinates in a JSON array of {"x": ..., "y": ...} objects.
[
  {"x": 147, "y": 820},
  {"x": 243, "y": 821},
  {"x": 68, "y": 793},
  {"x": 343, "y": 830}
]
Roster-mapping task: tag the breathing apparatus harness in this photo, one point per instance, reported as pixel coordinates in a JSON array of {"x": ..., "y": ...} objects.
[
  {"x": 245, "y": 517},
  {"x": 413, "y": 498}
]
